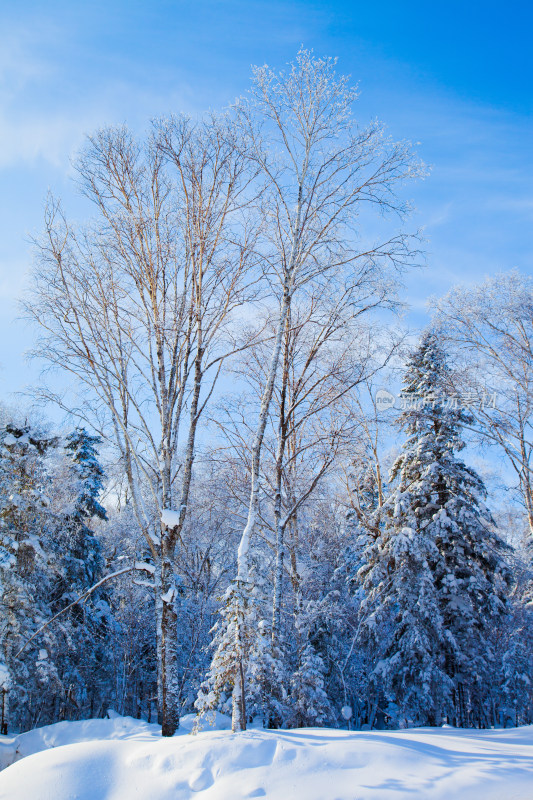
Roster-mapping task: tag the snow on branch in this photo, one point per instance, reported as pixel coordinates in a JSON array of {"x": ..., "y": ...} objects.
[
  {"x": 168, "y": 597},
  {"x": 143, "y": 566},
  {"x": 79, "y": 599},
  {"x": 170, "y": 518}
]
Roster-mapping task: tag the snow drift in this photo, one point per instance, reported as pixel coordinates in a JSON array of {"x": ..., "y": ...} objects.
[{"x": 127, "y": 760}]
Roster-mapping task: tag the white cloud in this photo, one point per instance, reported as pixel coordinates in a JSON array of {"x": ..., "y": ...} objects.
[
  {"x": 26, "y": 140},
  {"x": 48, "y": 102}
]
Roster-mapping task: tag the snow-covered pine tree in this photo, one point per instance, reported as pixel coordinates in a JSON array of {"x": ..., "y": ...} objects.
[
  {"x": 512, "y": 684},
  {"x": 267, "y": 683},
  {"x": 233, "y": 634},
  {"x": 48, "y": 557},
  {"x": 243, "y": 633},
  {"x": 512, "y": 690},
  {"x": 26, "y": 572},
  {"x": 83, "y": 660},
  {"x": 310, "y": 705},
  {"x": 84, "y": 551},
  {"x": 362, "y": 522},
  {"x": 435, "y": 579}
]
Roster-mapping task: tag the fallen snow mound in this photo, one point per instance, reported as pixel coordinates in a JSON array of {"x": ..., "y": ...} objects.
[
  {"x": 13, "y": 748},
  {"x": 26, "y": 744},
  {"x": 129, "y": 761}
]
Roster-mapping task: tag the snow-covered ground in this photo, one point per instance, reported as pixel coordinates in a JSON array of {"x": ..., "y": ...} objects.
[{"x": 124, "y": 759}]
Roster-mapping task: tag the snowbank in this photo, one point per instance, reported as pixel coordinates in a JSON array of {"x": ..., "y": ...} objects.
[
  {"x": 128, "y": 761},
  {"x": 13, "y": 748}
]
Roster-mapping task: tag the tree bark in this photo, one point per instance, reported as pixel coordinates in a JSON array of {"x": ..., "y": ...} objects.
[
  {"x": 168, "y": 674},
  {"x": 280, "y": 526}
]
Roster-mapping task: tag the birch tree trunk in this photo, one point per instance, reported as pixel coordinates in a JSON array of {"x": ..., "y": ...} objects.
[
  {"x": 242, "y": 553},
  {"x": 168, "y": 674},
  {"x": 238, "y": 722},
  {"x": 279, "y": 524}
]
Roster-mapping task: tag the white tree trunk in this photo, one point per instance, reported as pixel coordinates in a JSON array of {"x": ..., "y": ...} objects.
[{"x": 242, "y": 553}]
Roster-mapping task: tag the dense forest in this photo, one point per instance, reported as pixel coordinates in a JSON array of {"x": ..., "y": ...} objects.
[{"x": 268, "y": 498}]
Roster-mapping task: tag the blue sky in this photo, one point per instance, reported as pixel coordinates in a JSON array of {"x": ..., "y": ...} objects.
[{"x": 457, "y": 77}]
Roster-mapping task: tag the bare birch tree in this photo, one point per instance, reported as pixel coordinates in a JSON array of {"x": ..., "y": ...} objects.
[
  {"x": 489, "y": 329},
  {"x": 328, "y": 351},
  {"x": 321, "y": 171},
  {"x": 138, "y": 308},
  {"x": 309, "y": 421},
  {"x": 315, "y": 425}
]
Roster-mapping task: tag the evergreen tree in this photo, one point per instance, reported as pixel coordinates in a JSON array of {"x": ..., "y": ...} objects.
[
  {"x": 48, "y": 557},
  {"x": 233, "y": 635},
  {"x": 26, "y": 572},
  {"x": 435, "y": 579},
  {"x": 267, "y": 694},
  {"x": 362, "y": 522},
  {"x": 244, "y": 634},
  {"x": 310, "y": 705},
  {"x": 83, "y": 659},
  {"x": 512, "y": 693},
  {"x": 84, "y": 549}
]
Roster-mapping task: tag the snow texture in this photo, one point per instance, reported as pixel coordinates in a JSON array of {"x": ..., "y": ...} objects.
[
  {"x": 168, "y": 596},
  {"x": 145, "y": 567},
  {"x": 169, "y": 518},
  {"x": 125, "y": 759}
]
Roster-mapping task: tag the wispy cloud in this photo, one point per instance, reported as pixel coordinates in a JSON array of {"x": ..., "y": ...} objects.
[{"x": 45, "y": 110}]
